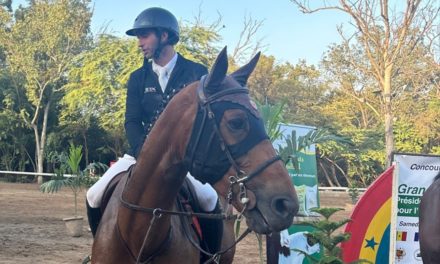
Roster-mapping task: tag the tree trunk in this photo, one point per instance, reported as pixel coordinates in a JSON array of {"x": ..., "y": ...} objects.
[
  {"x": 41, "y": 142},
  {"x": 335, "y": 176},
  {"x": 330, "y": 183},
  {"x": 37, "y": 153},
  {"x": 86, "y": 147},
  {"x": 389, "y": 137}
]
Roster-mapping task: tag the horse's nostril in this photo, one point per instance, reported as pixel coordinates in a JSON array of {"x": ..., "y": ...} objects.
[{"x": 284, "y": 206}]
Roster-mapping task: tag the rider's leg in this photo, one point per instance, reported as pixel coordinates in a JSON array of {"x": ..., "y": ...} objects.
[
  {"x": 208, "y": 200},
  {"x": 94, "y": 216},
  {"x": 213, "y": 230},
  {"x": 95, "y": 193},
  {"x": 206, "y": 195}
]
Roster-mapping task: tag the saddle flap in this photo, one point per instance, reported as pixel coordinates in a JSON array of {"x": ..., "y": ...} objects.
[{"x": 110, "y": 189}]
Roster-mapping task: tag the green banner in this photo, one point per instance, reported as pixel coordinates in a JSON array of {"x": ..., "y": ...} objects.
[
  {"x": 408, "y": 205},
  {"x": 304, "y": 178}
]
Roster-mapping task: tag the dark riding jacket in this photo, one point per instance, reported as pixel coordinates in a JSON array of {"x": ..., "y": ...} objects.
[{"x": 145, "y": 97}]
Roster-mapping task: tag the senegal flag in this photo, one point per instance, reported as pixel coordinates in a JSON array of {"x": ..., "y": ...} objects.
[{"x": 370, "y": 225}]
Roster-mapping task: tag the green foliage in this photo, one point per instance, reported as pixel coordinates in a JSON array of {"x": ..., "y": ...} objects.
[
  {"x": 198, "y": 41},
  {"x": 68, "y": 164},
  {"x": 272, "y": 116},
  {"x": 323, "y": 234},
  {"x": 294, "y": 145},
  {"x": 353, "y": 192},
  {"x": 360, "y": 160},
  {"x": 289, "y": 153},
  {"x": 407, "y": 139},
  {"x": 14, "y": 135},
  {"x": 97, "y": 80},
  {"x": 40, "y": 44},
  {"x": 95, "y": 95}
]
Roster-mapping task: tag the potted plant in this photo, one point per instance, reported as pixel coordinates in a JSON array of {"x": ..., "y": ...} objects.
[{"x": 75, "y": 182}]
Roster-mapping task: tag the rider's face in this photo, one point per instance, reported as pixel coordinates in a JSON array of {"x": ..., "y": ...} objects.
[{"x": 148, "y": 42}]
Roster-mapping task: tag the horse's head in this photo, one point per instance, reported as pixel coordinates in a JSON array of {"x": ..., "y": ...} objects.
[{"x": 230, "y": 149}]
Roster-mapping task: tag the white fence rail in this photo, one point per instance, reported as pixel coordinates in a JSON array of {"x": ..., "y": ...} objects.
[
  {"x": 340, "y": 189},
  {"x": 26, "y": 173},
  {"x": 330, "y": 189}
]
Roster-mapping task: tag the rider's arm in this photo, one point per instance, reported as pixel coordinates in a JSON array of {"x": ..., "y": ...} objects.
[{"x": 134, "y": 128}]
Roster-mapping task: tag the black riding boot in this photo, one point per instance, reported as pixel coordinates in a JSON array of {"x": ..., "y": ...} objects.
[
  {"x": 212, "y": 230},
  {"x": 94, "y": 215}
]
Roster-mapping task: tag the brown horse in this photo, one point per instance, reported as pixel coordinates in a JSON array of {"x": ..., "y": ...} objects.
[
  {"x": 212, "y": 129},
  {"x": 429, "y": 223}
]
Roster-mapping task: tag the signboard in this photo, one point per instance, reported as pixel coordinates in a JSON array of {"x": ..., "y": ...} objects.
[
  {"x": 415, "y": 175},
  {"x": 305, "y": 178},
  {"x": 306, "y": 184}
]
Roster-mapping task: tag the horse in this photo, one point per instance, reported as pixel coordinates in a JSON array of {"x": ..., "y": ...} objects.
[
  {"x": 429, "y": 223},
  {"x": 213, "y": 130}
]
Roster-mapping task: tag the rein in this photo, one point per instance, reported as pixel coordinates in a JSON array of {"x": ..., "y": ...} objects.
[{"x": 240, "y": 177}]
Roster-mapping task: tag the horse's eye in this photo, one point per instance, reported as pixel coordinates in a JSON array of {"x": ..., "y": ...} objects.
[{"x": 236, "y": 123}]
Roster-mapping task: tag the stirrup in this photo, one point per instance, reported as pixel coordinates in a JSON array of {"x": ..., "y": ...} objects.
[{"x": 87, "y": 259}]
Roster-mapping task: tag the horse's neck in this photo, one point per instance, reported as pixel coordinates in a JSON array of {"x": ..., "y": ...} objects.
[
  {"x": 159, "y": 171},
  {"x": 154, "y": 183},
  {"x": 157, "y": 175}
]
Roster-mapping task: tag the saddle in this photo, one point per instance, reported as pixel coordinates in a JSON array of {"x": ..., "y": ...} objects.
[{"x": 186, "y": 201}]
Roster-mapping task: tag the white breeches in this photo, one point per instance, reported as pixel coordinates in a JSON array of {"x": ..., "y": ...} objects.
[{"x": 206, "y": 195}]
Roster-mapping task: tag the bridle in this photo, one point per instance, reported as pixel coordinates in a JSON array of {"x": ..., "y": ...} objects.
[{"x": 239, "y": 179}]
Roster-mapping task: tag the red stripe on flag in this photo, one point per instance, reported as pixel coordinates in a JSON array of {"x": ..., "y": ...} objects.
[
  {"x": 366, "y": 208},
  {"x": 403, "y": 236}
]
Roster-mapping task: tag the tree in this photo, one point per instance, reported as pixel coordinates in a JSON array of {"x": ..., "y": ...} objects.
[
  {"x": 40, "y": 45},
  {"x": 247, "y": 45},
  {"x": 198, "y": 40},
  {"x": 14, "y": 136},
  {"x": 387, "y": 40},
  {"x": 262, "y": 83},
  {"x": 352, "y": 106},
  {"x": 96, "y": 89},
  {"x": 299, "y": 87}
]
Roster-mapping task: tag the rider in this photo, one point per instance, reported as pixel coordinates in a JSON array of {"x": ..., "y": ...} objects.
[{"x": 164, "y": 73}]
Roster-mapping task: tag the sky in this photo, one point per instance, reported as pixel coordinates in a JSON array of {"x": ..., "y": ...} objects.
[{"x": 287, "y": 34}]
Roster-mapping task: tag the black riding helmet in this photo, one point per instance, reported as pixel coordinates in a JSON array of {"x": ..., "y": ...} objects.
[{"x": 156, "y": 18}]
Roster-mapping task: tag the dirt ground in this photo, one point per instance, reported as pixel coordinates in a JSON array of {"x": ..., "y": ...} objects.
[{"x": 32, "y": 230}]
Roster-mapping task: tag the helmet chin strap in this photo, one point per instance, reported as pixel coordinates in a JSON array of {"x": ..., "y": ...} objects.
[{"x": 160, "y": 45}]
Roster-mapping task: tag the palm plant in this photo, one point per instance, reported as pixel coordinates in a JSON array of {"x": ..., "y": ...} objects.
[
  {"x": 294, "y": 145},
  {"x": 272, "y": 116},
  {"x": 75, "y": 182}
]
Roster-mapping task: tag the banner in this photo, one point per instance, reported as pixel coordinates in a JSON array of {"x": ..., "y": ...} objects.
[
  {"x": 305, "y": 178},
  {"x": 283, "y": 248},
  {"x": 415, "y": 175}
]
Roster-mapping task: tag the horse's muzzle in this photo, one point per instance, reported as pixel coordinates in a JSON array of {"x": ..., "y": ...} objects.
[
  {"x": 284, "y": 206},
  {"x": 274, "y": 215}
]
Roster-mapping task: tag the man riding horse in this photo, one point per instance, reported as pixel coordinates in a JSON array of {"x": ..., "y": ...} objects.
[{"x": 163, "y": 74}]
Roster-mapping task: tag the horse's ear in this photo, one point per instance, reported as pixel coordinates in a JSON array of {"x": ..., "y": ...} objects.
[
  {"x": 242, "y": 75},
  {"x": 217, "y": 72}
]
